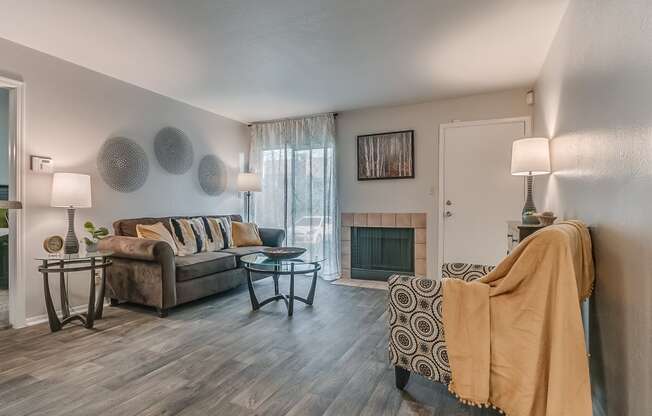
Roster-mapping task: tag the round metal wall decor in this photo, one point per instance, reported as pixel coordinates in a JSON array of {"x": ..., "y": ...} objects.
[
  {"x": 123, "y": 164},
  {"x": 212, "y": 175},
  {"x": 173, "y": 150}
]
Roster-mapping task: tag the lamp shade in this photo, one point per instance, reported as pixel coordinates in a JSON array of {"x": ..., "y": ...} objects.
[
  {"x": 531, "y": 156},
  {"x": 249, "y": 182},
  {"x": 71, "y": 190}
]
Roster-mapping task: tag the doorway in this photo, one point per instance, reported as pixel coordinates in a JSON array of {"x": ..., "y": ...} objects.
[
  {"x": 12, "y": 284},
  {"x": 478, "y": 195}
]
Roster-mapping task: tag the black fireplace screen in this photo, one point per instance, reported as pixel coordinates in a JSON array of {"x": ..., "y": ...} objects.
[{"x": 377, "y": 253}]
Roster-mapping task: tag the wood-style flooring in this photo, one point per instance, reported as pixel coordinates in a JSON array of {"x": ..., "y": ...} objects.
[{"x": 217, "y": 357}]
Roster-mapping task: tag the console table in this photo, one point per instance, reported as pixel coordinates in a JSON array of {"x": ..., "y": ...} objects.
[{"x": 66, "y": 263}]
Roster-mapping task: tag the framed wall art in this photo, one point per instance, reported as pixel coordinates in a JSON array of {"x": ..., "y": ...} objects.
[{"x": 386, "y": 155}]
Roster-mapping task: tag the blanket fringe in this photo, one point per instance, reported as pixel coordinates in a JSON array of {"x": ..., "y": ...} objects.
[{"x": 486, "y": 405}]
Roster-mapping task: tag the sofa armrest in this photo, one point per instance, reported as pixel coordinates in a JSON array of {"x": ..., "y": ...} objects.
[
  {"x": 272, "y": 237},
  {"x": 416, "y": 341},
  {"x": 465, "y": 271},
  {"x": 143, "y": 271},
  {"x": 137, "y": 248}
]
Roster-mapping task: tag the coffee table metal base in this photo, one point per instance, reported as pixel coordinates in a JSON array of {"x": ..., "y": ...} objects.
[{"x": 288, "y": 299}]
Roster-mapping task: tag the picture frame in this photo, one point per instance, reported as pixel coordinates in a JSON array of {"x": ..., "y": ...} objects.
[{"x": 388, "y": 155}]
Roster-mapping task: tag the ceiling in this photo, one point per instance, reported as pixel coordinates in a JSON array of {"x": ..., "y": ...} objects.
[{"x": 262, "y": 59}]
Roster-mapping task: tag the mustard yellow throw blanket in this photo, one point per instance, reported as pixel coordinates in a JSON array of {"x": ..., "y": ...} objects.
[{"x": 515, "y": 337}]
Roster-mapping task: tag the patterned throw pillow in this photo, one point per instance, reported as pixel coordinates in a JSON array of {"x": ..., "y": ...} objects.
[
  {"x": 187, "y": 239},
  {"x": 245, "y": 234},
  {"x": 214, "y": 237},
  {"x": 200, "y": 232},
  {"x": 156, "y": 232},
  {"x": 225, "y": 222}
]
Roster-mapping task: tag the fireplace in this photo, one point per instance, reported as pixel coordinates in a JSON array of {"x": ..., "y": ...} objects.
[
  {"x": 417, "y": 222},
  {"x": 378, "y": 252}
]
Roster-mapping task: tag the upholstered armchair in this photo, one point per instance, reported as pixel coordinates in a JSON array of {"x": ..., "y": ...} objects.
[{"x": 416, "y": 341}]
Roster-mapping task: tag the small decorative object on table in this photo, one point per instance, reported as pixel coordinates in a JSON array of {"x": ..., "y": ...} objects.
[
  {"x": 96, "y": 235},
  {"x": 546, "y": 218},
  {"x": 283, "y": 253},
  {"x": 53, "y": 244}
]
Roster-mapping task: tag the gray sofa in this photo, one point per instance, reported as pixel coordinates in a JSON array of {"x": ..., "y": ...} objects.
[{"x": 147, "y": 272}]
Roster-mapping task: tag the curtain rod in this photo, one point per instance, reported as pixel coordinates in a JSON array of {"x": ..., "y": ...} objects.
[{"x": 290, "y": 118}]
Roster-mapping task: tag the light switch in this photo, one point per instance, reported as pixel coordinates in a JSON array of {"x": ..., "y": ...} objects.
[{"x": 41, "y": 164}]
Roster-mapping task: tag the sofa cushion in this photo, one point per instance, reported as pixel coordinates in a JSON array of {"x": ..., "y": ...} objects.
[
  {"x": 203, "y": 264},
  {"x": 243, "y": 251}
]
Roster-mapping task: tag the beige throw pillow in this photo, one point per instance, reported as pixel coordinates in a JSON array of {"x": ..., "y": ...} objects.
[
  {"x": 156, "y": 232},
  {"x": 245, "y": 234}
]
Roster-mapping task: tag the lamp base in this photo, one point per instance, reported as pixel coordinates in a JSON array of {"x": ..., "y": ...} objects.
[
  {"x": 529, "y": 209},
  {"x": 71, "y": 244}
]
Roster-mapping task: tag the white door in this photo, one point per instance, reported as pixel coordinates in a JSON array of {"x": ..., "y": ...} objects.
[{"x": 478, "y": 194}]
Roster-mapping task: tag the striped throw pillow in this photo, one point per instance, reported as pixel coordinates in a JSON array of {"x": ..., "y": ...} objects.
[
  {"x": 214, "y": 237},
  {"x": 185, "y": 236},
  {"x": 225, "y": 222}
]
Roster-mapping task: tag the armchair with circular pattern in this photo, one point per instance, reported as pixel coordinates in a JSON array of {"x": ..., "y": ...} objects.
[{"x": 416, "y": 342}]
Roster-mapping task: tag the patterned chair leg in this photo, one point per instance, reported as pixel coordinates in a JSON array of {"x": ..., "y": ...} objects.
[{"x": 402, "y": 377}]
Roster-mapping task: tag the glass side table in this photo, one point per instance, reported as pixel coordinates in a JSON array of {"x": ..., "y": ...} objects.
[
  {"x": 65, "y": 263},
  {"x": 259, "y": 263}
]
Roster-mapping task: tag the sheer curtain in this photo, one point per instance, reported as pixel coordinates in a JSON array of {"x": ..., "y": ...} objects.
[{"x": 296, "y": 161}]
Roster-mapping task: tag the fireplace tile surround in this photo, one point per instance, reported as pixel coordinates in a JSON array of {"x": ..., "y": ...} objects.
[{"x": 418, "y": 221}]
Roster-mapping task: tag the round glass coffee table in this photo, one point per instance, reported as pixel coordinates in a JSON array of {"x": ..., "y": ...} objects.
[{"x": 259, "y": 263}]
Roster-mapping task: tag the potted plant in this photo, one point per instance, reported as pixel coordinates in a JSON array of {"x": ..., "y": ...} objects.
[{"x": 96, "y": 235}]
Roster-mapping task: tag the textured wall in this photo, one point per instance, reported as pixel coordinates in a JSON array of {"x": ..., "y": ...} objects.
[
  {"x": 70, "y": 112},
  {"x": 418, "y": 194},
  {"x": 595, "y": 99}
]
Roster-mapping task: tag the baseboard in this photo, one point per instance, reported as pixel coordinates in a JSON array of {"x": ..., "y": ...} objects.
[{"x": 39, "y": 319}]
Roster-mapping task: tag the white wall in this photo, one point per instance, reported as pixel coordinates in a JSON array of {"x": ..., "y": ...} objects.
[
  {"x": 595, "y": 101},
  {"x": 4, "y": 136},
  {"x": 70, "y": 112},
  {"x": 418, "y": 194}
]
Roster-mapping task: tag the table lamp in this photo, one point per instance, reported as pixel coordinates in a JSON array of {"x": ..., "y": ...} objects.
[
  {"x": 530, "y": 157},
  {"x": 248, "y": 183},
  {"x": 71, "y": 190}
]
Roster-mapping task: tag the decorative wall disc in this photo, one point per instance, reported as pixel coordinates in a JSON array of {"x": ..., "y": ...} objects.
[
  {"x": 173, "y": 150},
  {"x": 212, "y": 175},
  {"x": 123, "y": 164}
]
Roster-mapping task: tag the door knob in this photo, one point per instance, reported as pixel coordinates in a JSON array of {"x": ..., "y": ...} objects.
[
  {"x": 448, "y": 214},
  {"x": 448, "y": 202}
]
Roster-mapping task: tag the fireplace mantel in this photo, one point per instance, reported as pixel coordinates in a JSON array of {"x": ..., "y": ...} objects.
[{"x": 418, "y": 221}]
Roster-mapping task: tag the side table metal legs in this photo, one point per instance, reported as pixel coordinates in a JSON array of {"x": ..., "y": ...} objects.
[
  {"x": 65, "y": 306},
  {"x": 55, "y": 324},
  {"x": 95, "y": 305},
  {"x": 90, "y": 316}
]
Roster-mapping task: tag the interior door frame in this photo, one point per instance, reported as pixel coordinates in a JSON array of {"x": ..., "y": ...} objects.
[
  {"x": 17, "y": 173},
  {"x": 527, "y": 120}
]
